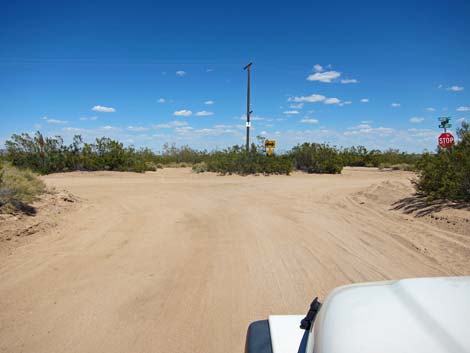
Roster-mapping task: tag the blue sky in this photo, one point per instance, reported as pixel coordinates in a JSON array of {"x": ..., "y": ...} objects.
[{"x": 148, "y": 72}]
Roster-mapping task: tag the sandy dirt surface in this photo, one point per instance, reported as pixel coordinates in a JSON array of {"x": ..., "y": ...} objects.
[{"x": 178, "y": 262}]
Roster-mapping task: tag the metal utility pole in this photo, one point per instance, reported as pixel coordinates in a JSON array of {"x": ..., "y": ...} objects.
[{"x": 248, "y": 111}]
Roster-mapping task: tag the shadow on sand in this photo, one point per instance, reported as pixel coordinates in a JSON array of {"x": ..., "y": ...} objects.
[
  {"x": 421, "y": 206},
  {"x": 26, "y": 209}
]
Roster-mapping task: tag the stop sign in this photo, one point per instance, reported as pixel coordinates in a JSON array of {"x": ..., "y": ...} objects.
[{"x": 446, "y": 140}]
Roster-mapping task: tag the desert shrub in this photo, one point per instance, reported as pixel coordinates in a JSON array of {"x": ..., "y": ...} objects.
[
  {"x": 200, "y": 167},
  {"x": 446, "y": 173},
  {"x": 46, "y": 155},
  {"x": 317, "y": 158},
  {"x": 18, "y": 188},
  {"x": 402, "y": 166},
  {"x": 356, "y": 156},
  {"x": 150, "y": 166},
  {"x": 236, "y": 160},
  {"x": 173, "y": 155},
  {"x": 361, "y": 157},
  {"x": 384, "y": 166},
  {"x": 177, "y": 165}
]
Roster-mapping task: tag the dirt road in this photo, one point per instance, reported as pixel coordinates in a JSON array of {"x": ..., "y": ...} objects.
[{"x": 178, "y": 262}]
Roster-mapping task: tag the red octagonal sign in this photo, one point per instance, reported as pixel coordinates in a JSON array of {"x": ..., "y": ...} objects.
[{"x": 446, "y": 140}]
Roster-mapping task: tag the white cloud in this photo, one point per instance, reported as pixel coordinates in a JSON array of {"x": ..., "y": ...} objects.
[
  {"x": 440, "y": 86},
  {"x": 137, "y": 128},
  {"x": 344, "y": 103},
  {"x": 183, "y": 130},
  {"x": 103, "y": 109},
  {"x": 109, "y": 128},
  {"x": 73, "y": 129},
  {"x": 89, "y": 118},
  {"x": 350, "y": 80},
  {"x": 318, "y": 68},
  {"x": 395, "y": 105},
  {"x": 461, "y": 120},
  {"x": 174, "y": 123},
  {"x": 463, "y": 109},
  {"x": 455, "y": 88},
  {"x": 256, "y": 118},
  {"x": 332, "y": 101},
  {"x": 216, "y": 130},
  {"x": 416, "y": 120},
  {"x": 309, "y": 121},
  {"x": 54, "y": 121},
  {"x": 325, "y": 77},
  {"x": 316, "y": 98},
  {"x": 291, "y": 112},
  {"x": 368, "y": 130},
  {"x": 297, "y": 106},
  {"x": 183, "y": 112},
  {"x": 424, "y": 134},
  {"x": 162, "y": 100},
  {"x": 180, "y": 73},
  {"x": 431, "y": 109},
  {"x": 209, "y": 70},
  {"x": 365, "y": 100},
  {"x": 209, "y": 102},
  {"x": 161, "y": 126},
  {"x": 204, "y": 113},
  {"x": 309, "y": 99}
]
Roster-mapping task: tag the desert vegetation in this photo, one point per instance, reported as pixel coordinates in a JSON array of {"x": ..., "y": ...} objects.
[
  {"x": 45, "y": 155},
  {"x": 446, "y": 173},
  {"x": 236, "y": 160},
  {"x": 443, "y": 174},
  {"x": 18, "y": 188}
]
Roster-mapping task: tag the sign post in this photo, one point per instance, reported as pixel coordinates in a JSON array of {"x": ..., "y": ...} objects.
[
  {"x": 446, "y": 139},
  {"x": 248, "y": 110},
  {"x": 269, "y": 145}
]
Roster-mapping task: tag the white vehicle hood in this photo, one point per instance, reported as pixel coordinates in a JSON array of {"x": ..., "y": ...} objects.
[
  {"x": 285, "y": 333},
  {"x": 427, "y": 315}
]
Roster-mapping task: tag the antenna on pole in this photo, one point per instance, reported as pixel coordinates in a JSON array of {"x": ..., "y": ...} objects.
[{"x": 248, "y": 111}]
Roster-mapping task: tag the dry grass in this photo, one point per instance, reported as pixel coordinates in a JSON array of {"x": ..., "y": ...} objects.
[
  {"x": 402, "y": 166},
  {"x": 18, "y": 188}
]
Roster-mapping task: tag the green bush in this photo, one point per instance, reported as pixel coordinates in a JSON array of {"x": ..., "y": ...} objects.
[
  {"x": 200, "y": 167},
  {"x": 177, "y": 165},
  {"x": 317, "y": 158},
  {"x": 361, "y": 157},
  {"x": 446, "y": 174},
  {"x": 174, "y": 156},
  {"x": 236, "y": 160},
  {"x": 402, "y": 166},
  {"x": 18, "y": 188},
  {"x": 150, "y": 167},
  {"x": 46, "y": 155}
]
